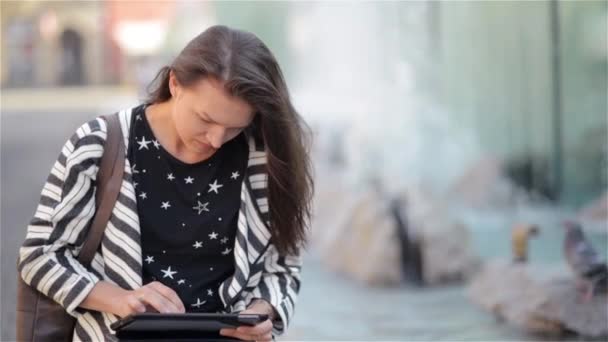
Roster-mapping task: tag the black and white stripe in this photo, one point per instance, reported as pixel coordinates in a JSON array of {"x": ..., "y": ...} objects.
[{"x": 47, "y": 259}]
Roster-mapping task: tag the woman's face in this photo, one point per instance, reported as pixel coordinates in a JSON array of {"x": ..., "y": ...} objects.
[{"x": 206, "y": 116}]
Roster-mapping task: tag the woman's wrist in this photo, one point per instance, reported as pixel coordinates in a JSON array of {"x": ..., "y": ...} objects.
[
  {"x": 264, "y": 307},
  {"x": 106, "y": 297}
]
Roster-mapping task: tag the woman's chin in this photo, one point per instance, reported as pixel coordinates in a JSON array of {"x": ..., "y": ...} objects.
[{"x": 202, "y": 148}]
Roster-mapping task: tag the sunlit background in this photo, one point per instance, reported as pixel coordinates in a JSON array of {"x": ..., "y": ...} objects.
[{"x": 479, "y": 114}]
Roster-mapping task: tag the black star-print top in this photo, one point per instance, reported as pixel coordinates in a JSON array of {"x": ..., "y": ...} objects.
[{"x": 188, "y": 215}]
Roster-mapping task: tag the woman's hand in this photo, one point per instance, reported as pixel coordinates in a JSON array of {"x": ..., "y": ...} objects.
[
  {"x": 153, "y": 296},
  {"x": 259, "y": 332}
]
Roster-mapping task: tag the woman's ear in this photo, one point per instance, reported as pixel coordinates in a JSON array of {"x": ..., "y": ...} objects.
[{"x": 173, "y": 84}]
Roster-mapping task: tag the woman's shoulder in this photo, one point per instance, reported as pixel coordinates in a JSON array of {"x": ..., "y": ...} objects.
[{"x": 95, "y": 131}]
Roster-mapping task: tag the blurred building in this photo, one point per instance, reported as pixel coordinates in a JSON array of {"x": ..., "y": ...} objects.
[
  {"x": 54, "y": 44},
  {"x": 446, "y": 82},
  {"x": 78, "y": 43}
]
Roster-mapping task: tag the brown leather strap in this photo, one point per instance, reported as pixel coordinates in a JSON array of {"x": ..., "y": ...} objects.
[{"x": 109, "y": 181}]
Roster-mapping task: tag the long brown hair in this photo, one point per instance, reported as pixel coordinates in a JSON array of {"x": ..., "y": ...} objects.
[{"x": 250, "y": 72}]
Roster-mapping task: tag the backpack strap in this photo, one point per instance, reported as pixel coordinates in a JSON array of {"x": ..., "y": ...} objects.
[{"x": 108, "y": 184}]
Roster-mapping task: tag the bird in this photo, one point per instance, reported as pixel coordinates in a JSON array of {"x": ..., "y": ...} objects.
[
  {"x": 590, "y": 270},
  {"x": 520, "y": 234}
]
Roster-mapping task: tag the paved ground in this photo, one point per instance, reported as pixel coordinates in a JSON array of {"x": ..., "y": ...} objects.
[{"x": 332, "y": 307}]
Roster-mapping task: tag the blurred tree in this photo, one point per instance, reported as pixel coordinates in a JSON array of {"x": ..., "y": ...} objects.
[
  {"x": 530, "y": 79},
  {"x": 267, "y": 19}
]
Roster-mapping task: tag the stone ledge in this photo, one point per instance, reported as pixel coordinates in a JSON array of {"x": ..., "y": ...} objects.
[{"x": 538, "y": 299}]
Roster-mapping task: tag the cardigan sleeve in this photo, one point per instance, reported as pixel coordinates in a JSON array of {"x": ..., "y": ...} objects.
[
  {"x": 47, "y": 259},
  {"x": 280, "y": 285}
]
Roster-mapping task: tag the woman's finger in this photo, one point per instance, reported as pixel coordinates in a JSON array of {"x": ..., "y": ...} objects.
[
  {"x": 229, "y": 332},
  {"x": 169, "y": 294},
  {"x": 157, "y": 301},
  {"x": 245, "y": 336},
  {"x": 258, "y": 329},
  {"x": 264, "y": 338},
  {"x": 135, "y": 304}
]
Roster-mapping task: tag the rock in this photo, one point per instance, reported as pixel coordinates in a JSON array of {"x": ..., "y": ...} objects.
[
  {"x": 446, "y": 252},
  {"x": 483, "y": 185},
  {"x": 364, "y": 245},
  {"x": 345, "y": 235},
  {"x": 538, "y": 299},
  {"x": 445, "y": 243},
  {"x": 597, "y": 210},
  {"x": 359, "y": 237}
]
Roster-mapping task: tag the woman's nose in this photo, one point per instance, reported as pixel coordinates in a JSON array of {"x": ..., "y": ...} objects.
[{"x": 216, "y": 136}]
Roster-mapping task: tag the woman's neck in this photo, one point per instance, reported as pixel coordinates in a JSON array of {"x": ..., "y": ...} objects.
[
  {"x": 161, "y": 122},
  {"x": 162, "y": 125}
]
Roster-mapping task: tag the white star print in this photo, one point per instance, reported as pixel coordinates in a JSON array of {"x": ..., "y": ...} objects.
[
  {"x": 143, "y": 195},
  {"x": 135, "y": 184},
  {"x": 235, "y": 175},
  {"x": 156, "y": 144},
  {"x": 168, "y": 273},
  {"x": 170, "y": 177},
  {"x": 209, "y": 292},
  {"x": 189, "y": 180},
  {"x": 143, "y": 143},
  {"x": 197, "y": 245},
  {"x": 201, "y": 207},
  {"x": 226, "y": 251},
  {"x": 134, "y": 168},
  {"x": 181, "y": 281},
  {"x": 213, "y": 236},
  {"x": 165, "y": 205},
  {"x": 149, "y": 259},
  {"x": 214, "y": 187},
  {"x": 138, "y": 117},
  {"x": 224, "y": 240},
  {"x": 198, "y": 303}
]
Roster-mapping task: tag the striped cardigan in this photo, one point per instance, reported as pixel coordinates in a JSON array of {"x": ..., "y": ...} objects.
[{"x": 47, "y": 258}]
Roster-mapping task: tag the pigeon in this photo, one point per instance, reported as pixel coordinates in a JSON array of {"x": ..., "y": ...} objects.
[
  {"x": 590, "y": 270},
  {"x": 520, "y": 234}
]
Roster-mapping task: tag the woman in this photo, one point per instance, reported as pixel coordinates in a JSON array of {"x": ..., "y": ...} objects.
[{"x": 214, "y": 203}]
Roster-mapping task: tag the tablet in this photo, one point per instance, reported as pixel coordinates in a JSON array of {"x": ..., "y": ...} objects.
[{"x": 186, "y": 323}]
